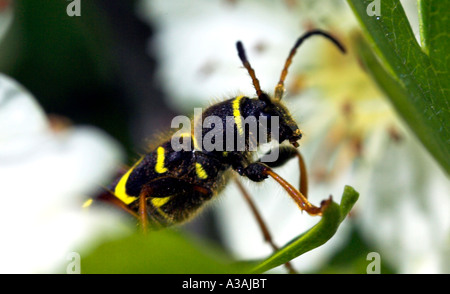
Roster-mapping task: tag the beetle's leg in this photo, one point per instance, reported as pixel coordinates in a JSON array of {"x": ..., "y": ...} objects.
[
  {"x": 141, "y": 215},
  {"x": 108, "y": 196},
  {"x": 258, "y": 171},
  {"x": 142, "y": 212},
  {"x": 297, "y": 196},
  {"x": 286, "y": 153},
  {"x": 261, "y": 223}
]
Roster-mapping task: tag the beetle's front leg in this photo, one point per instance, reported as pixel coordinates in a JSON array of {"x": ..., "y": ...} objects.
[
  {"x": 258, "y": 171},
  {"x": 285, "y": 153}
]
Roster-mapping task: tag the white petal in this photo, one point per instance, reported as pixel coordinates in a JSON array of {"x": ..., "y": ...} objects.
[
  {"x": 45, "y": 176},
  {"x": 196, "y": 45}
]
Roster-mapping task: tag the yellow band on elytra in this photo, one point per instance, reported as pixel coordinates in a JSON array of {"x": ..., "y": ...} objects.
[
  {"x": 237, "y": 114},
  {"x": 160, "y": 157}
]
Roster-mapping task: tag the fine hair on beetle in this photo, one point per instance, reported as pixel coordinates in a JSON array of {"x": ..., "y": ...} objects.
[{"x": 256, "y": 131}]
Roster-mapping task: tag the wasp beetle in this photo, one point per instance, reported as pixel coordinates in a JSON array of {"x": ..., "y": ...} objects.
[{"x": 166, "y": 186}]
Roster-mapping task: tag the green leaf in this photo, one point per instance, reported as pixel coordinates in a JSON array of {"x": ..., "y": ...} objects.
[
  {"x": 386, "y": 81},
  {"x": 351, "y": 258},
  {"x": 159, "y": 252},
  {"x": 435, "y": 36},
  {"x": 171, "y": 252},
  {"x": 332, "y": 217},
  {"x": 419, "y": 75}
]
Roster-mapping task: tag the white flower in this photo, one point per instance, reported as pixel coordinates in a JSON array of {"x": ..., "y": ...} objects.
[
  {"x": 196, "y": 45},
  {"x": 45, "y": 177},
  {"x": 351, "y": 133}
]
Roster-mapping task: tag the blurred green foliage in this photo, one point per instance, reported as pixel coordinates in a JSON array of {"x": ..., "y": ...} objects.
[
  {"x": 69, "y": 64},
  {"x": 351, "y": 258},
  {"x": 415, "y": 77},
  {"x": 160, "y": 252},
  {"x": 171, "y": 252}
]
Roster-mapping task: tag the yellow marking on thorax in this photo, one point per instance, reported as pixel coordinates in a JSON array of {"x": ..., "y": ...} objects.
[
  {"x": 120, "y": 189},
  {"x": 158, "y": 202},
  {"x": 87, "y": 203},
  {"x": 160, "y": 157},
  {"x": 237, "y": 114},
  {"x": 201, "y": 173},
  {"x": 193, "y": 139}
]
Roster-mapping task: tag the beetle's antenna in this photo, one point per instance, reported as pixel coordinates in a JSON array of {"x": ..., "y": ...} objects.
[
  {"x": 251, "y": 72},
  {"x": 279, "y": 89}
]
